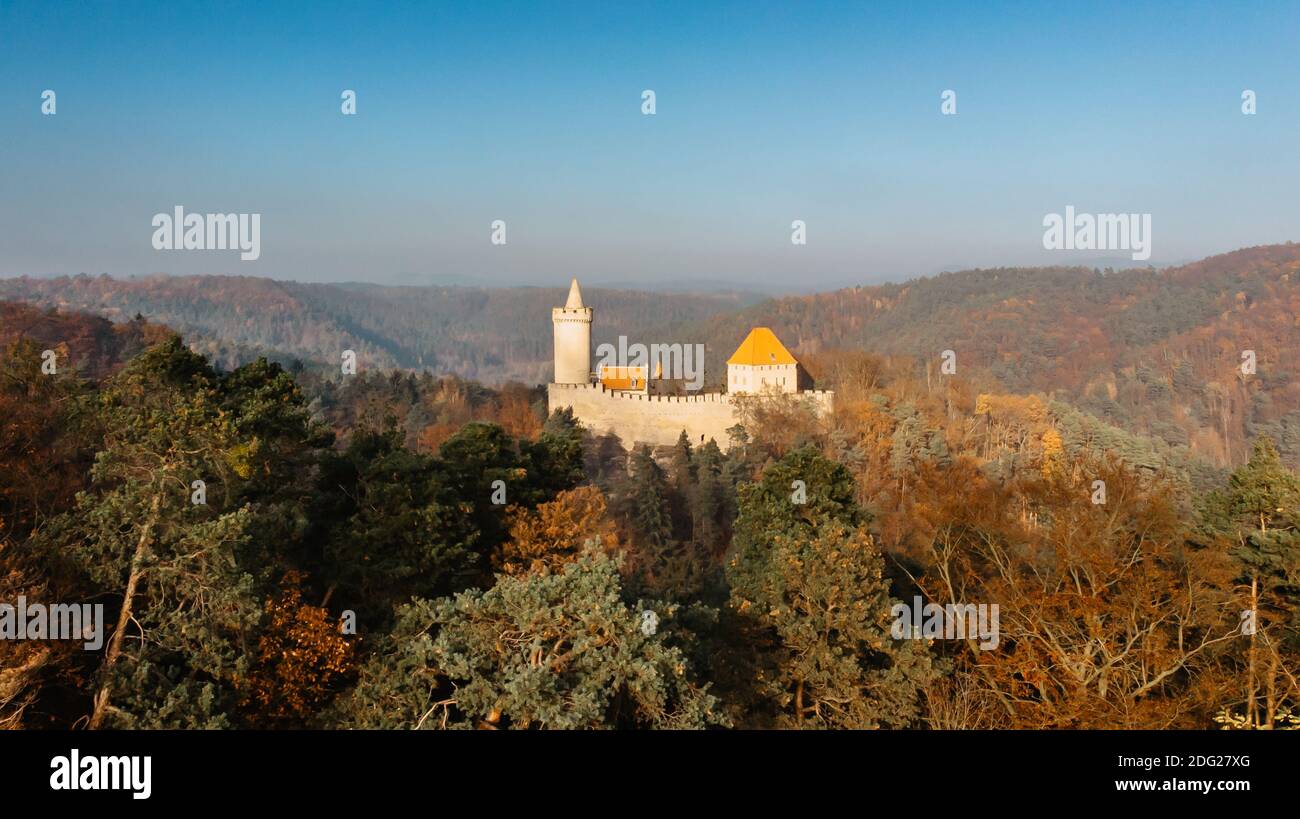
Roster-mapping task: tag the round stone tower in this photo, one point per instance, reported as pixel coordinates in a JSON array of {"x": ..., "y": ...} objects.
[{"x": 572, "y": 324}]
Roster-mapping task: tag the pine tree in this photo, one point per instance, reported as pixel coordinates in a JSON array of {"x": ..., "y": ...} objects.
[
  {"x": 406, "y": 527},
  {"x": 827, "y": 602},
  {"x": 712, "y": 502},
  {"x": 173, "y": 566},
  {"x": 807, "y": 574},
  {"x": 555, "y": 461},
  {"x": 1262, "y": 500},
  {"x": 681, "y": 472},
  {"x": 473, "y": 460},
  {"x": 643, "y": 503},
  {"x": 908, "y": 441},
  {"x": 538, "y": 650},
  {"x": 1263, "y": 494},
  {"x": 779, "y": 505}
]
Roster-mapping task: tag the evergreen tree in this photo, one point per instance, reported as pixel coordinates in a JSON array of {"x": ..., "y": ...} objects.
[
  {"x": 657, "y": 564},
  {"x": 173, "y": 567},
  {"x": 538, "y": 650},
  {"x": 474, "y": 460},
  {"x": 681, "y": 471},
  {"x": 810, "y": 578},
  {"x": 643, "y": 502},
  {"x": 908, "y": 443},
  {"x": 827, "y": 603},
  {"x": 712, "y": 501},
  {"x": 1262, "y": 501},
  {"x": 1263, "y": 494},
  {"x": 278, "y": 458},
  {"x": 795, "y": 496},
  {"x": 555, "y": 461},
  {"x": 406, "y": 527}
]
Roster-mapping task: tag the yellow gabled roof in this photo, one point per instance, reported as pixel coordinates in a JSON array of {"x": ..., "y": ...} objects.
[{"x": 761, "y": 347}]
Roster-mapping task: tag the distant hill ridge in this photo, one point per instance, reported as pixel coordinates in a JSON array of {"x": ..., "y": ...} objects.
[
  {"x": 492, "y": 335},
  {"x": 1155, "y": 351},
  {"x": 1158, "y": 351}
]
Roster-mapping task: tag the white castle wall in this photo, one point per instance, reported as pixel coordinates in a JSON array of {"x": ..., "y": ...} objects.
[
  {"x": 638, "y": 418},
  {"x": 748, "y": 378}
]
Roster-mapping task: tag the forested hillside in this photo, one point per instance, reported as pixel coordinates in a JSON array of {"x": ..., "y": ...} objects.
[
  {"x": 1159, "y": 352},
  {"x": 492, "y": 335},
  {"x": 91, "y": 345}
]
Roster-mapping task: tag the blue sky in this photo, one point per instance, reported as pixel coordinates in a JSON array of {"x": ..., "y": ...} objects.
[{"x": 531, "y": 113}]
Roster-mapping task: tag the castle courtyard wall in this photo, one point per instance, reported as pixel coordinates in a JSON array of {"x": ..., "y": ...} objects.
[{"x": 638, "y": 418}]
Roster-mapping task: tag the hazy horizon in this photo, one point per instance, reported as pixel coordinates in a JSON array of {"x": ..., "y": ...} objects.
[{"x": 681, "y": 284}]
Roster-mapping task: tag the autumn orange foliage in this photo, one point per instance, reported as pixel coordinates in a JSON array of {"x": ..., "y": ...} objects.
[
  {"x": 302, "y": 657},
  {"x": 555, "y": 533}
]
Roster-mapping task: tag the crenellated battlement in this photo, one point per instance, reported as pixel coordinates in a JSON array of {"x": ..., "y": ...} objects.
[{"x": 637, "y": 395}]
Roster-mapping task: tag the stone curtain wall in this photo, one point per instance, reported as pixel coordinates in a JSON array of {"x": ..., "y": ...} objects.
[{"x": 656, "y": 419}]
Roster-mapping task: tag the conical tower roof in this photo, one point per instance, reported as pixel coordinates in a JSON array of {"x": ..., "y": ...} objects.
[{"x": 575, "y": 296}]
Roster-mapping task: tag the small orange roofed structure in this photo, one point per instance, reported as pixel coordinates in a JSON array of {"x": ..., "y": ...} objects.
[{"x": 623, "y": 378}]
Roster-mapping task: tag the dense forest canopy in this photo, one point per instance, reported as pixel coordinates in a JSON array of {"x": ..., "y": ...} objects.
[
  {"x": 1152, "y": 352},
  {"x": 404, "y": 549},
  {"x": 1157, "y": 352}
]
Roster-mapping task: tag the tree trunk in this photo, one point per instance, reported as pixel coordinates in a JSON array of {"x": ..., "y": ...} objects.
[
  {"x": 1270, "y": 692},
  {"x": 1252, "y": 718},
  {"x": 124, "y": 617}
]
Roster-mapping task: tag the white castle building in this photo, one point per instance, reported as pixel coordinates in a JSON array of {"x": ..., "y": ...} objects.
[{"x": 639, "y": 406}]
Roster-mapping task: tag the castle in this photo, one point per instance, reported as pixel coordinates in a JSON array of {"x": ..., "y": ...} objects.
[{"x": 644, "y": 407}]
